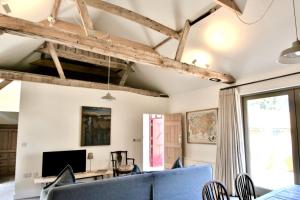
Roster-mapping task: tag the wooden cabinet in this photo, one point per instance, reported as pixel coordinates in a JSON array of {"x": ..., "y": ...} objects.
[{"x": 8, "y": 144}]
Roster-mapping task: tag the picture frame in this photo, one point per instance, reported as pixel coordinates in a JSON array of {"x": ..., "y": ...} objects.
[
  {"x": 201, "y": 126},
  {"x": 95, "y": 126}
]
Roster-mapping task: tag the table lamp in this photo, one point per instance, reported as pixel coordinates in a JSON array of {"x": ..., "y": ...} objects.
[{"x": 90, "y": 157}]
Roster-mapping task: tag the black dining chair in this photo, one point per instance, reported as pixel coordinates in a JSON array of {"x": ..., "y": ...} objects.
[
  {"x": 214, "y": 190},
  {"x": 244, "y": 187}
]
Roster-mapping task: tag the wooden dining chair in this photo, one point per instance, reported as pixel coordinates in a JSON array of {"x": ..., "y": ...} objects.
[
  {"x": 244, "y": 187},
  {"x": 214, "y": 190}
]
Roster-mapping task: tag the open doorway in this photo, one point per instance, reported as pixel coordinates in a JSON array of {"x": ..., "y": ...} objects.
[
  {"x": 9, "y": 114},
  {"x": 162, "y": 140},
  {"x": 153, "y": 142}
]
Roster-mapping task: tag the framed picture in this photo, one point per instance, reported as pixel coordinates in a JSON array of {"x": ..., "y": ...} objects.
[
  {"x": 202, "y": 126},
  {"x": 95, "y": 126}
]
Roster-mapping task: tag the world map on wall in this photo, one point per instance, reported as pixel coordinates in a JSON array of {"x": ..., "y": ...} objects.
[{"x": 201, "y": 126}]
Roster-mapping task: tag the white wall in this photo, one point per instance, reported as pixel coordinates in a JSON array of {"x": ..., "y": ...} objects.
[
  {"x": 10, "y": 97},
  {"x": 50, "y": 120},
  {"x": 192, "y": 101},
  {"x": 208, "y": 98}
]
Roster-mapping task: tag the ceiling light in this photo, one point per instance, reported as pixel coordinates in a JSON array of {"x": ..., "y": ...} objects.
[
  {"x": 215, "y": 79},
  {"x": 292, "y": 54},
  {"x": 5, "y": 6},
  {"x": 221, "y": 36},
  {"x": 108, "y": 96}
]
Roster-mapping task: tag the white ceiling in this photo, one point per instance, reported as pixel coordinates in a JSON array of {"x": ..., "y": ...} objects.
[{"x": 221, "y": 40}]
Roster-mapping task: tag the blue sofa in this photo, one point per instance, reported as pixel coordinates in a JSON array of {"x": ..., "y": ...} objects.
[{"x": 175, "y": 184}]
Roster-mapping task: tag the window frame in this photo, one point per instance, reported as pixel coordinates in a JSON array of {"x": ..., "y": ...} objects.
[{"x": 294, "y": 131}]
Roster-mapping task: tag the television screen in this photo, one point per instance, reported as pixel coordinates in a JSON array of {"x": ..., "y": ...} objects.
[{"x": 55, "y": 161}]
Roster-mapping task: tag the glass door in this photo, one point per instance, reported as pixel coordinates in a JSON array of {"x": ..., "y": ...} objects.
[{"x": 271, "y": 139}]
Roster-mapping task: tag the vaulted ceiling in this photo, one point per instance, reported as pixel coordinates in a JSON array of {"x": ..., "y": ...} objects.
[{"x": 220, "y": 40}]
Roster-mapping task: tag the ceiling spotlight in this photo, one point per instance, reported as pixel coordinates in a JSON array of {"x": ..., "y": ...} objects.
[
  {"x": 215, "y": 79},
  {"x": 5, "y": 6}
]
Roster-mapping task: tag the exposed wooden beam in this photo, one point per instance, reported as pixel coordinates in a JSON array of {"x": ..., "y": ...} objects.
[
  {"x": 125, "y": 74},
  {"x": 213, "y": 9},
  {"x": 101, "y": 46},
  {"x": 140, "y": 19},
  {"x": 56, "y": 60},
  {"x": 72, "y": 28},
  {"x": 22, "y": 76},
  {"x": 229, "y": 4},
  {"x": 74, "y": 68},
  {"x": 85, "y": 17},
  {"x": 182, "y": 40},
  {"x": 5, "y": 83},
  {"x": 83, "y": 57},
  {"x": 53, "y": 16},
  {"x": 55, "y": 9}
]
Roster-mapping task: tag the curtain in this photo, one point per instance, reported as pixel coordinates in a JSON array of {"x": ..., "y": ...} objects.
[{"x": 230, "y": 139}]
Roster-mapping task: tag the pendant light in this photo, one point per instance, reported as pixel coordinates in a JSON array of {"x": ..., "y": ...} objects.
[
  {"x": 292, "y": 54},
  {"x": 108, "y": 96}
]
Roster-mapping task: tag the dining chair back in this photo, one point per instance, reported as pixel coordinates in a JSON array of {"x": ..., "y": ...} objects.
[
  {"x": 244, "y": 187},
  {"x": 214, "y": 190}
]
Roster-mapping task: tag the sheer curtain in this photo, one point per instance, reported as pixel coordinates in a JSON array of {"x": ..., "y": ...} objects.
[{"x": 230, "y": 141}]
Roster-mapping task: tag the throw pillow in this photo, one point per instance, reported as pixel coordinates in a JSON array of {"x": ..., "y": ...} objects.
[
  {"x": 65, "y": 177},
  {"x": 177, "y": 164},
  {"x": 136, "y": 170}
]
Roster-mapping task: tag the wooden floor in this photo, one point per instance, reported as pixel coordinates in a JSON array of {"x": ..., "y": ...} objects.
[{"x": 7, "y": 188}]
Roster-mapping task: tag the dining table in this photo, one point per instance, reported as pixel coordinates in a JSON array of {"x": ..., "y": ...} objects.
[{"x": 287, "y": 193}]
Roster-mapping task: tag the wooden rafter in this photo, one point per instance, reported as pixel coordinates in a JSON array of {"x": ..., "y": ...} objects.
[
  {"x": 182, "y": 40},
  {"x": 55, "y": 9},
  {"x": 13, "y": 75},
  {"x": 85, "y": 56},
  {"x": 125, "y": 74},
  {"x": 54, "y": 56},
  {"x": 47, "y": 63},
  {"x": 5, "y": 83},
  {"x": 101, "y": 46},
  {"x": 213, "y": 9},
  {"x": 231, "y": 4},
  {"x": 114, "y": 40},
  {"x": 119, "y": 11},
  {"x": 85, "y": 18}
]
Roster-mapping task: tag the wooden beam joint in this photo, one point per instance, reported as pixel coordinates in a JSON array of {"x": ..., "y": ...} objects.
[{"x": 5, "y": 83}]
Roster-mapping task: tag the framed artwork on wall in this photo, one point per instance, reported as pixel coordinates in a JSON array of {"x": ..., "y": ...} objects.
[
  {"x": 95, "y": 126},
  {"x": 202, "y": 126}
]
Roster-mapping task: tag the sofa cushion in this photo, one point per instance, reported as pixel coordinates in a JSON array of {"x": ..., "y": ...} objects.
[
  {"x": 136, "y": 170},
  {"x": 135, "y": 187},
  {"x": 65, "y": 177},
  {"x": 181, "y": 183},
  {"x": 177, "y": 164}
]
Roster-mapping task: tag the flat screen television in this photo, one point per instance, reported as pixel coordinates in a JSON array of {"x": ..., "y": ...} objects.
[{"x": 55, "y": 161}]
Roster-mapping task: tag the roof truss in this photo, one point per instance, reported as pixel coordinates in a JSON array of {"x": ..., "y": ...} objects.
[{"x": 104, "y": 46}]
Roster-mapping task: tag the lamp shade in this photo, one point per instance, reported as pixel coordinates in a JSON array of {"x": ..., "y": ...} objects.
[
  {"x": 90, "y": 156},
  {"x": 291, "y": 55},
  {"x": 108, "y": 97}
]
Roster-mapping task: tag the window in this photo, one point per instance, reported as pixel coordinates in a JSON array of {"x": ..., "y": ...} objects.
[{"x": 271, "y": 139}]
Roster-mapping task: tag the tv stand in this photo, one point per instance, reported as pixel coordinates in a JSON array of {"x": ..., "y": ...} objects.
[{"x": 82, "y": 175}]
